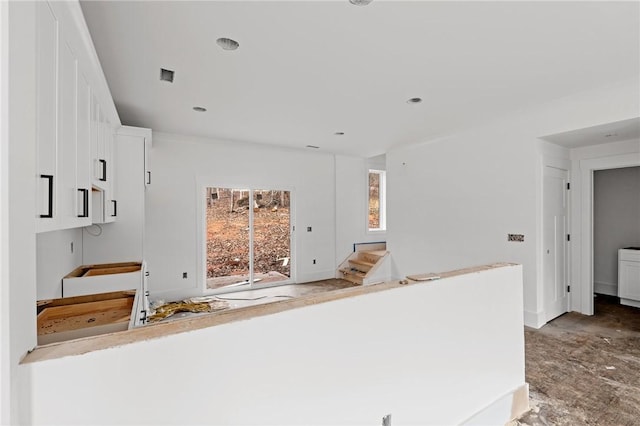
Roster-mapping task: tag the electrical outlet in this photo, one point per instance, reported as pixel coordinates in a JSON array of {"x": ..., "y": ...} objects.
[
  {"x": 184, "y": 275},
  {"x": 515, "y": 237}
]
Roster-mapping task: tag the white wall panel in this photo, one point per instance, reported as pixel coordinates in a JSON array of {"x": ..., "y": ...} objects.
[
  {"x": 181, "y": 163},
  {"x": 345, "y": 362}
]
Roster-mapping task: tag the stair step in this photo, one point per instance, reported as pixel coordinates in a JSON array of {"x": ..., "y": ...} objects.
[
  {"x": 371, "y": 256},
  {"x": 378, "y": 253},
  {"x": 355, "y": 277},
  {"x": 362, "y": 262},
  {"x": 353, "y": 272}
]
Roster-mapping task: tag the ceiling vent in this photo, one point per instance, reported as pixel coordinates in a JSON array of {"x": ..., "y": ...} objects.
[
  {"x": 227, "y": 43},
  {"x": 166, "y": 75},
  {"x": 360, "y": 2}
]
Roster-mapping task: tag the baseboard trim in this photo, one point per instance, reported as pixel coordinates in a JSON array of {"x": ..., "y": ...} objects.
[
  {"x": 605, "y": 288},
  {"x": 503, "y": 410},
  {"x": 534, "y": 319}
]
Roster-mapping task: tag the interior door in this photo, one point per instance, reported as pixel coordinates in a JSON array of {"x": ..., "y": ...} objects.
[{"x": 555, "y": 240}]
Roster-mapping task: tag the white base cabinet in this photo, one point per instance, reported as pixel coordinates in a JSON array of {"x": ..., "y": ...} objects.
[
  {"x": 629, "y": 276},
  {"x": 102, "y": 278}
]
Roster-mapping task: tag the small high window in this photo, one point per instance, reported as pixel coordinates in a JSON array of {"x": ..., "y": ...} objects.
[{"x": 377, "y": 220}]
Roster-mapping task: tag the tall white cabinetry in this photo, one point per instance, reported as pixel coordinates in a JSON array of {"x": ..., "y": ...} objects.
[
  {"x": 104, "y": 201},
  {"x": 123, "y": 241},
  {"x": 69, "y": 93}
]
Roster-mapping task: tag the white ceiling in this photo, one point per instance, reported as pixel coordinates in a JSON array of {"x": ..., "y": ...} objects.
[
  {"x": 605, "y": 133},
  {"x": 305, "y": 70}
]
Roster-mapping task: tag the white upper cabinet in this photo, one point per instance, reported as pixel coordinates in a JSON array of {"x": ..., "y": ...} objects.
[
  {"x": 47, "y": 108},
  {"x": 76, "y": 121},
  {"x": 83, "y": 150},
  {"x": 67, "y": 143}
]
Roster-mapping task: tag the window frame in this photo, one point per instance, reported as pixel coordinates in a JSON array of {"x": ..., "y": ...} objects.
[{"x": 382, "y": 194}]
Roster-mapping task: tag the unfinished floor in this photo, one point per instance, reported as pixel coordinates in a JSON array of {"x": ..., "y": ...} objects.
[{"x": 585, "y": 370}]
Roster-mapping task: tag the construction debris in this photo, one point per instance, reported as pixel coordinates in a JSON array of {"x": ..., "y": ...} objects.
[{"x": 165, "y": 311}]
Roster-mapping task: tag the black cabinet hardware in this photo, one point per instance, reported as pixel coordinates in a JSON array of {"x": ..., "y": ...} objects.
[
  {"x": 115, "y": 208},
  {"x": 85, "y": 202},
  {"x": 148, "y": 178},
  {"x": 104, "y": 170},
  {"x": 50, "y": 203}
]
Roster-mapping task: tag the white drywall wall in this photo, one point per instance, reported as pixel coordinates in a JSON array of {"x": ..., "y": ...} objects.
[
  {"x": 5, "y": 354},
  {"x": 349, "y": 361},
  {"x": 55, "y": 260},
  {"x": 452, "y": 201},
  {"x": 351, "y": 203},
  {"x": 180, "y": 164},
  {"x": 21, "y": 239},
  {"x": 616, "y": 222}
]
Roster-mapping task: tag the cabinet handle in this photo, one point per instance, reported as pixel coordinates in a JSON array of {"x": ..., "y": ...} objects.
[
  {"x": 115, "y": 208},
  {"x": 50, "y": 190},
  {"x": 148, "y": 178},
  {"x": 144, "y": 318},
  {"x": 85, "y": 202},
  {"x": 104, "y": 170}
]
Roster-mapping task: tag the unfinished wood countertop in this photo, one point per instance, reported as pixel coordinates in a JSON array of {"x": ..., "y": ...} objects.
[{"x": 152, "y": 331}]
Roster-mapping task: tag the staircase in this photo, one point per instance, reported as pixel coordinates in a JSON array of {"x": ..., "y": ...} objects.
[{"x": 368, "y": 264}]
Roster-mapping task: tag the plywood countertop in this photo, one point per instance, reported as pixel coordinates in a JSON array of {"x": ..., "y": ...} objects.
[{"x": 153, "y": 331}]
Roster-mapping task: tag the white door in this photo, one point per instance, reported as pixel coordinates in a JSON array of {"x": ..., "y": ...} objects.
[{"x": 555, "y": 240}]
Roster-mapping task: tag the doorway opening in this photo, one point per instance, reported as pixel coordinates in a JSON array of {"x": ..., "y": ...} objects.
[
  {"x": 248, "y": 238},
  {"x": 616, "y": 226}
]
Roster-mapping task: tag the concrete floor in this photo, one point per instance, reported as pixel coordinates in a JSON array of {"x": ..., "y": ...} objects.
[{"x": 585, "y": 370}]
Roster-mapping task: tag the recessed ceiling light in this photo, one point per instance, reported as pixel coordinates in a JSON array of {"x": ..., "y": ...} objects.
[
  {"x": 199, "y": 109},
  {"x": 166, "y": 75},
  {"x": 313, "y": 146},
  {"x": 414, "y": 101},
  {"x": 360, "y": 2},
  {"x": 227, "y": 43},
  {"x": 339, "y": 133}
]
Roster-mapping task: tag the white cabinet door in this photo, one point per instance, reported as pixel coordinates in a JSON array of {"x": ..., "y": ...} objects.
[
  {"x": 96, "y": 169},
  {"x": 83, "y": 151},
  {"x": 147, "y": 164},
  {"x": 67, "y": 127},
  {"x": 47, "y": 72},
  {"x": 111, "y": 208},
  {"x": 629, "y": 280}
]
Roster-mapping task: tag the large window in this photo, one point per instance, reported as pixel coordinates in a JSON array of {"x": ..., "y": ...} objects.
[
  {"x": 377, "y": 206},
  {"x": 248, "y": 237}
]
